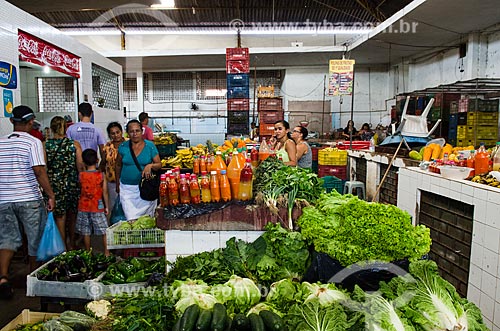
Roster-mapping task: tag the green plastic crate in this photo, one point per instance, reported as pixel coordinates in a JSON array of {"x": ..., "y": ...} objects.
[
  {"x": 332, "y": 182},
  {"x": 166, "y": 150}
]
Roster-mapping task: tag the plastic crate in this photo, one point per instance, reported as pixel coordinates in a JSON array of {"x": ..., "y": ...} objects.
[
  {"x": 145, "y": 238},
  {"x": 314, "y": 167},
  {"x": 356, "y": 145},
  {"x": 241, "y": 117},
  {"x": 238, "y": 104},
  {"x": 337, "y": 171},
  {"x": 238, "y": 128},
  {"x": 335, "y": 157},
  {"x": 266, "y": 129},
  {"x": 482, "y": 118},
  {"x": 235, "y": 54},
  {"x": 166, "y": 150},
  {"x": 270, "y": 104},
  {"x": 238, "y": 67},
  {"x": 140, "y": 252},
  {"x": 238, "y": 92},
  {"x": 234, "y": 80},
  {"x": 333, "y": 183},
  {"x": 74, "y": 290},
  {"x": 461, "y": 131},
  {"x": 271, "y": 117},
  {"x": 28, "y": 317}
]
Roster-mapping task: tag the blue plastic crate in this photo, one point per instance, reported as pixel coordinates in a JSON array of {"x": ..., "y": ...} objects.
[
  {"x": 238, "y": 92},
  {"x": 237, "y": 80}
]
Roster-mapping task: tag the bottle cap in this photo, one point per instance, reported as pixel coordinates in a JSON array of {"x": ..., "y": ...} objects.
[
  {"x": 218, "y": 153},
  {"x": 183, "y": 176},
  {"x": 203, "y": 173},
  {"x": 163, "y": 176},
  {"x": 213, "y": 172},
  {"x": 223, "y": 172},
  {"x": 203, "y": 156},
  {"x": 188, "y": 175},
  {"x": 249, "y": 160}
]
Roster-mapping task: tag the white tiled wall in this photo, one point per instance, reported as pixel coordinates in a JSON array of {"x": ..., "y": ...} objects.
[
  {"x": 484, "y": 271},
  {"x": 183, "y": 243}
]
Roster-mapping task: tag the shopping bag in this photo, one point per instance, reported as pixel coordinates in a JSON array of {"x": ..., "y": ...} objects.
[
  {"x": 51, "y": 243},
  {"x": 117, "y": 214}
]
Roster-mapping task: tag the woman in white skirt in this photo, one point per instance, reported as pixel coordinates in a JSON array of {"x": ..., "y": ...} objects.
[{"x": 128, "y": 175}]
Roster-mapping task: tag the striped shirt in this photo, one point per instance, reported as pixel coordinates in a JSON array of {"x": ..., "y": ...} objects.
[{"x": 18, "y": 155}]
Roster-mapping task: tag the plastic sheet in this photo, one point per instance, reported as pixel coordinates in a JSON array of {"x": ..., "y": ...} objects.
[{"x": 325, "y": 269}]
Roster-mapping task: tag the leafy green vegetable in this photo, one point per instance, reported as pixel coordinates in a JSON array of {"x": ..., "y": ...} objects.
[
  {"x": 312, "y": 316},
  {"x": 326, "y": 294},
  {"x": 245, "y": 293},
  {"x": 282, "y": 293},
  {"x": 352, "y": 230}
]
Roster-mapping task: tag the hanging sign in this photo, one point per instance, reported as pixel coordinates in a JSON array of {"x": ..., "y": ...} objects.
[
  {"x": 8, "y": 75},
  {"x": 341, "y": 77},
  {"x": 35, "y": 50},
  {"x": 8, "y": 103}
]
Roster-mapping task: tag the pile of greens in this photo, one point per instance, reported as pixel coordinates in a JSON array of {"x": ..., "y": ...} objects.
[
  {"x": 277, "y": 254},
  {"x": 351, "y": 230}
]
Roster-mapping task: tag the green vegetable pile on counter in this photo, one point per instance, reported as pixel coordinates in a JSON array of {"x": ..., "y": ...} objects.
[
  {"x": 133, "y": 270},
  {"x": 75, "y": 266},
  {"x": 67, "y": 321},
  {"x": 351, "y": 230},
  {"x": 277, "y": 254}
]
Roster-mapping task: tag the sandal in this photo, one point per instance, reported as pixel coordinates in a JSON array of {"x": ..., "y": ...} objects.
[{"x": 6, "y": 290}]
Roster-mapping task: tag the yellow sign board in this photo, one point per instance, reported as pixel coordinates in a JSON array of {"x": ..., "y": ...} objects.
[{"x": 341, "y": 77}]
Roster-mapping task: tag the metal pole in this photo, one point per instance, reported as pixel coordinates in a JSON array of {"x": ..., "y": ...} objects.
[
  {"x": 352, "y": 107},
  {"x": 323, "y": 111}
]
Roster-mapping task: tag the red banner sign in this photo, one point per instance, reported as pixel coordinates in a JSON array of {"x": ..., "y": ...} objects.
[{"x": 35, "y": 50}]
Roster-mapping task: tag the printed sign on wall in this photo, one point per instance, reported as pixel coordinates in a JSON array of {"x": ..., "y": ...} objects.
[
  {"x": 8, "y": 75},
  {"x": 8, "y": 103},
  {"x": 341, "y": 77}
]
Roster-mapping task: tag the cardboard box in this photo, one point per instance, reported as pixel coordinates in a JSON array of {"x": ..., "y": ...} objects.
[{"x": 27, "y": 317}]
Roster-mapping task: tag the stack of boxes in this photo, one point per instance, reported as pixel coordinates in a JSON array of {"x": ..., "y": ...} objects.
[
  {"x": 270, "y": 111},
  {"x": 238, "y": 90},
  {"x": 477, "y": 122}
]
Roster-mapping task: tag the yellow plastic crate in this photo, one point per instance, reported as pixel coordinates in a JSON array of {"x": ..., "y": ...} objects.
[
  {"x": 333, "y": 157},
  {"x": 461, "y": 131},
  {"x": 482, "y": 118}
]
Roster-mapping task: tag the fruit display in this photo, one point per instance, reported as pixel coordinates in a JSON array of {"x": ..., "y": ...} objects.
[
  {"x": 486, "y": 180},
  {"x": 165, "y": 139},
  {"x": 182, "y": 159}
]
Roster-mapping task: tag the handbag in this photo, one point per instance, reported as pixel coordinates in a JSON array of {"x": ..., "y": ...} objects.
[
  {"x": 117, "y": 214},
  {"x": 149, "y": 188},
  {"x": 51, "y": 243}
]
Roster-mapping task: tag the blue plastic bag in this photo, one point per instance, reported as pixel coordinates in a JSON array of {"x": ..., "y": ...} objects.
[
  {"x": 117, "y": 214},
  {"x": 51, "y": 243}
]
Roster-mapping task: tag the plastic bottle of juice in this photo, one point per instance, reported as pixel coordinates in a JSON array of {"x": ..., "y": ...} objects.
[
  {"x": 163, "y": 191},
  {"x": 254, "y": 156},
  {"x": 185, "y": 197},
  {"x": 228, "y": 158},
  {"x": 264, "y": 150},
  {"x": 225, "y": 187},
  {"x": 214, "y": 186},
  {"x": 242, "y": 155},
  {"x": 194, "y": 190},
  {"x": 209, "y": 160},
  {"x": 196, "y": 165},
  {"x": 496, "y": 158},
  {"x": 177, "y": 174},
  {"x": 218, "y": 164},
  {"x": 203, "y": 163},
  {"x": 233, "y": 173},
  {"x": 471, "y": 162},
  {"x": 245, "y": 189},
  {"x": 205, "y": 188},
  {"x": 173, "y": 191},
  {"x": 481, "y": 161}
]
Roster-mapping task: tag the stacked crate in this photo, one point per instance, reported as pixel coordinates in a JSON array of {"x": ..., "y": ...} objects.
[
  {"x": 332, "y": 163},
  {"x": 479, "y": 124},
  {"x": 238, "y": 90},
  {"x": 270, "y": 111}
]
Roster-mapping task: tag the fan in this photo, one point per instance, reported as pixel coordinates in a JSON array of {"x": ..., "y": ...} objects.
[{"x": 194, "y": 106}]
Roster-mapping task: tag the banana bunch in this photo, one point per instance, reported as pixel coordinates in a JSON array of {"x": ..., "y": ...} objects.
[
  {"x": 186, "y": 156},
  {"x": 199, "y": 150},
  {"x": 165, "y": 139},
  {"x": 487, "y": 180},
  {"x": 172, "y": 162}
]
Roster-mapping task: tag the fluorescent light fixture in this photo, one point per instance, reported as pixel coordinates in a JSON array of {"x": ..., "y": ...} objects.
[
  {"x": 164, "y": 4},
  {"x": 215, "y": 92},
  {"x": 92, "y": 32}
]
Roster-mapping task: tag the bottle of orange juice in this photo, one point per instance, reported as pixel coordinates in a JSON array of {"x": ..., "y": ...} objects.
[
  {"x": 246, "y": 177},
  {"x": 233, "y": 174},
  {"x": 194, "y": 189},
  {"x": 196, "y": 165},
  {"x": 481, "y": 161},
  {"x": 203, "y": 163},
  {"x": 218, "y": 164},
  {"x": 264, "y": 150},
  {"x": 206, "y": 196},
  {"x": 254, "y": 156},
  {"x": 214, "y": 186},
  {"x": 225, "y": 187}
]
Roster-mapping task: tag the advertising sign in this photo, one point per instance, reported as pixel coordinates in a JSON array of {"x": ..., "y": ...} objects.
[
  {"x": 8, "y": 75},
  {"x": 8, "y": 103},
  {"x": 341, "y": 77}
]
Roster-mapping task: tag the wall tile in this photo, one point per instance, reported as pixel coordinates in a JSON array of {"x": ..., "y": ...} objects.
[
  {"x": 487, "y": 306},
  {"x": 179, "y": 242},
  {"x": 491, "y": 238},
  {"x": 205, "y": 241},
  {"x": 496, "y": 314},
  {"x": 494, "y": 196},
  {"x": 492, "y": 214},
  {"x": 473, "y": 294},
  {"x": 475, "y": 274},
  {"x": 480, "y": 193},
  {"x": 490, "y": 261},
  {"x": 467, "y": 199},
  {"x": 478, "y": 233},
  {"x": 488, "y": 284},
  {"x": 467, "y": 189},
  {"x": 456, "y": 186},
  {"x": 480, "y": 210}
]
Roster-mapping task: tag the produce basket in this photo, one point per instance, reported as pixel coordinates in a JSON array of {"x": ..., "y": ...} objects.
[
  {"x": 139, "y": 238},
  {"x": 166, "y": 150},
  {"x": 333, "y": 183},
  {"x": 332, "y": 157},
  {"x": 75, "y": 290},
  {"x": 28, "y": 317}
]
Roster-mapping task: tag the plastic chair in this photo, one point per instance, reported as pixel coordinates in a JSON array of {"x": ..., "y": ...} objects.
[
  {"x": 416, "y": 125},
  {"x": 351, "y": 185}
]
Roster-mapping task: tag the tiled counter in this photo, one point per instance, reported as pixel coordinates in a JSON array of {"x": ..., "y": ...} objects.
[{"x": 484, "y": 269}]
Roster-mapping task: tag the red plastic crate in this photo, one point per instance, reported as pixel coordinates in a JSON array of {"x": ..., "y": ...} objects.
[
  {"x": 233, "y": 54},
  {"x": 238, "y": 104},
  {"x": 338, "y": 171},
  {"x": 271, "y": 117},
  {"x": 140, "y": 252},
  {"x": 238, "y": 67},
  {"x": 314, "y": 152},
  {"x": 266, "y": 129},
  {"x": 273, "y": 104},
  {"x": 356, "y": 145}
]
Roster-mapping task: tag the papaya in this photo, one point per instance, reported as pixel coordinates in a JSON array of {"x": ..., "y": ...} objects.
[
  {"x": 415, "y": 155},
  {"x": 445, "y": 150},
  {"x": 436, "y": 151},
  {"x": 427, "y": 153}
]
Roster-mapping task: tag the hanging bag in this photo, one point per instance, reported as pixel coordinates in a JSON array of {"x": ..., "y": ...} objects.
[
  {"x": 149, "y": 188},
  {"x": 51, "y": 243},
  {"x": 117, "y": 214}
]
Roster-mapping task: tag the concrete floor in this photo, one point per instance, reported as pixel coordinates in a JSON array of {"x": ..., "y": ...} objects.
[{"x": 9, "y": 309}]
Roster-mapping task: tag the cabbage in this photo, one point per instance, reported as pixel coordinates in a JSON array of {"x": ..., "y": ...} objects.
[
  {"x": 222, "y": 292},
  {"x": 382, "y": 315},
  {"x": 204, "y": 300},
  {"x": 325, "y": 293},
  {"x": 98, "y": 309},
  {"x": 282, "y": 292},
  {"x": 245, "y": 292},
  {"x": 264, "y": 306},
  {"x": 182, "y": 288},
  {"x": 144, "y": 222},
  {"x": 312, "y": 316}
]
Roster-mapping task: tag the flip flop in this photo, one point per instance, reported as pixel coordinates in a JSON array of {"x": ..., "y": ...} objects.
[{"x": 6, "y": 290}]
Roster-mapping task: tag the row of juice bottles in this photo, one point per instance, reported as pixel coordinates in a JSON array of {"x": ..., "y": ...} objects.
[
  {"x": 218, "y": 185},
  {"x": 480, "y": 160}
]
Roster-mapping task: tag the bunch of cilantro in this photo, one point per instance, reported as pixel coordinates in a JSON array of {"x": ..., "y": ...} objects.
[{"x": 351, "y": 230}]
